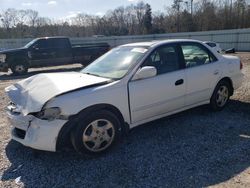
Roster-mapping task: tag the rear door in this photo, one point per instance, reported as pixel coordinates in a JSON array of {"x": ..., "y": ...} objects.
[
  {"x": 60, "y": 51},
  {"x": 202, "y": 72},
  {"x": 163, "y": 93}
]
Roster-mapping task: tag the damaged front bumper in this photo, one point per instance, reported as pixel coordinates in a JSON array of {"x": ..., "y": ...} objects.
[{"x": 33, "y": 132}]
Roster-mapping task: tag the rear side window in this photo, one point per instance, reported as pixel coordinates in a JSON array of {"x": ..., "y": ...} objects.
[
  {"x": 196, "y": 55},
  {"x": 63, "y": 43},
  {"x": 211, "y": 44},
  {"x": 164, "y": 59},
  {"x": 58, "y": 43}
]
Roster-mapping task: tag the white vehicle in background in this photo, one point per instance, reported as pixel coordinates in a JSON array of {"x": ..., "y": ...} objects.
[
  {"x": 128, "y": 86},
  {"x": 214, "y": 45}
]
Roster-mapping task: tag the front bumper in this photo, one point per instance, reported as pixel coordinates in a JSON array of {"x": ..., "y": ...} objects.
[{"x": 33, "y": 132}]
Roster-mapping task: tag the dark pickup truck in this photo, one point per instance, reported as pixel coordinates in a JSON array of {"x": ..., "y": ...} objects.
[{"x": 49, "y": 51}]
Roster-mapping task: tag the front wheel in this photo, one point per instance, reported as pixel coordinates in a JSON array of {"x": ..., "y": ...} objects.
[
  {"x": 19, "y": 69},
  {"x": 220, "y": 96},
  {"x": 96, "y": 133}
]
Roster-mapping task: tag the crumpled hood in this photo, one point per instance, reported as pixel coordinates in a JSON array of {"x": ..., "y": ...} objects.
[{"x": 32, "y": 93}]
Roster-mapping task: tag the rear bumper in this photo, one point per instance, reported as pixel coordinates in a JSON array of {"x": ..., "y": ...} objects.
[
  {"x": 35, "y": 133},
  {"x": 3, "y": 67},
  {"x": 237, "y": 80}
]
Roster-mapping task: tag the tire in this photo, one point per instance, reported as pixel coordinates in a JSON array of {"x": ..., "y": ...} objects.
[
  {"x": 96, "y": 133},
  {"x": 221, "y": 96},
  {"x": 19, "y": 69}
]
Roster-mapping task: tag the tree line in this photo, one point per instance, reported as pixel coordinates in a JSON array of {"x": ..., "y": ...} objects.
[{"x": 135, "y": 19}]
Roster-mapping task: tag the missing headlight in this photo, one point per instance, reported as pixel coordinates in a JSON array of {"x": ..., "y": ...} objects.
[{"x": 50, "y": 114}]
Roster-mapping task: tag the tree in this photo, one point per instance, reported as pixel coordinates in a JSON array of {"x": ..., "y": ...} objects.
[
  {"x": 32, "y": 17},
  {"x": 147, "y": 20},
  {"x": 134, "y": 19},
  {"x": 187, "y": 22},
  {"x": 177, "y": 6}
]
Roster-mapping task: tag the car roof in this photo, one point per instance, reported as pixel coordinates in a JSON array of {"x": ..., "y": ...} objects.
[
  {"x": 209, "y": 42},
  {"x": 161, "y": 42},
  {"x": 56, "y": 37}
]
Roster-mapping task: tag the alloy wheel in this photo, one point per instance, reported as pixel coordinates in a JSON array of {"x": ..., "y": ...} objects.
[
  {"x": 222, "y": 96},
  {"x": 98, "y": 135},
  {"x": 19, "y": 68}
]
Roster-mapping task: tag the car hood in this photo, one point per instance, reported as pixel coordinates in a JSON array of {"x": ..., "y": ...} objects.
[
  {"x": 12, "y": 50},
  {"x": 31, "y": 94}
]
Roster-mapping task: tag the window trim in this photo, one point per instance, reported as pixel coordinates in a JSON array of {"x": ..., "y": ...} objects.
[{"x": 203, "y": 47}]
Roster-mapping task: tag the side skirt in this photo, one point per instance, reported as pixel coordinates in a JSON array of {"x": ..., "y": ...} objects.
[{"x": 167, "y": 114}]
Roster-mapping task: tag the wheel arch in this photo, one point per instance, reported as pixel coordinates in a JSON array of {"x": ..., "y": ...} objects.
[
  {"x": 17, "y": 59},
  {"x": 63, "y": 138},
  {"x": 230, "y": 82}
]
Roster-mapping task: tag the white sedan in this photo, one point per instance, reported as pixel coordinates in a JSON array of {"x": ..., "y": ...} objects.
[{"x": 130, "y": 85}]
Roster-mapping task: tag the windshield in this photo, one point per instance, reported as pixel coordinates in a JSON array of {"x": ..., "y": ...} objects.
[
  {"x": 116, "y": 63},
  {"x": 30, "y": 43}
]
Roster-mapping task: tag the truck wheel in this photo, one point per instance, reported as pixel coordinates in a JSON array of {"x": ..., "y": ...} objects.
[
  {"x": 220, "y": 96},
  {"x": 96, "y": 133},
  {"x": 19, "y": 69}
]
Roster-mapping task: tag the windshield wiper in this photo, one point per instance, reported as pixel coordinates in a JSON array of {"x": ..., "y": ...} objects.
[
  {"x": 88, "y": 73},
  {"x": 111, "y": 79}
]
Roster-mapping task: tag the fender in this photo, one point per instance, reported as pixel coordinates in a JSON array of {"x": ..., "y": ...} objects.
[{"x": 63, "y": 139}]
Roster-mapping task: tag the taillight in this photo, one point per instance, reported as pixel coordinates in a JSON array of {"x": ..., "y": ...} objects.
[{"x": 241, "y": 65}]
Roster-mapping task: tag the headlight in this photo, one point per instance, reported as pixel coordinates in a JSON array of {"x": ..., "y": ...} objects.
[
  {"x": 2, "y": 58},
  {"x": 49, "y": 114}
]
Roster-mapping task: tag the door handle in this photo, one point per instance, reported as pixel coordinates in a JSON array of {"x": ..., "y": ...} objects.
[
  {"x": 179, "y": 82},
  {"x": 216, "y": 72}
]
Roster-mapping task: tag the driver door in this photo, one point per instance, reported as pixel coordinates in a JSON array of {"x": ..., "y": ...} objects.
[
  {"x": 156, "y": 96},
  {"x": 40, "y": 54}
]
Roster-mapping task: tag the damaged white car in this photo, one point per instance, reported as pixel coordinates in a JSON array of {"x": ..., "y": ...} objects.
[{"x": 128, "y": 86}]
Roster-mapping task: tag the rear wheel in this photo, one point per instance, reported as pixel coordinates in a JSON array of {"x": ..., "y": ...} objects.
[
  {"x": 96, "y": 133},
  {"x": 220, "y": 96}
]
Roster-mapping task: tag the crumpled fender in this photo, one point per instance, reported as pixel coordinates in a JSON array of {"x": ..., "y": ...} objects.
[{"x": 31, "y": 94}]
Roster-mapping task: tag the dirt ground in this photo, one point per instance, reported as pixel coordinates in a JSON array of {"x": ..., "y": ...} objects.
[{"x": 196, "y": 148}]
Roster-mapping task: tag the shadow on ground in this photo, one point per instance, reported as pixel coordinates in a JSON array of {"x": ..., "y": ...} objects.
[
  {"x": 10, "y": 76},
  {"x": 196, "y": 148}
]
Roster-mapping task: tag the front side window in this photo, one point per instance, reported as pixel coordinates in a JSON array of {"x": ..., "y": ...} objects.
[
  {"x": 41, "y": 44},
  {"x": 196, "y": 55},
  {"x": 164, "y": 59}
]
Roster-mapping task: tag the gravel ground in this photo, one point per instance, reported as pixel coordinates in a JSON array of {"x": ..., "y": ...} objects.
[{"x": 195, "y": 148}]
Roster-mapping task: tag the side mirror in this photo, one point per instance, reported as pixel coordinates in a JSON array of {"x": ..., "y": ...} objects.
[
  {"x": 35, "y": 47},
  {"x": 145, "y": 72}
]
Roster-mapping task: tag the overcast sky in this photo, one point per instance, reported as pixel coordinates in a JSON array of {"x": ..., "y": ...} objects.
[{"x": 60, "y": 9}]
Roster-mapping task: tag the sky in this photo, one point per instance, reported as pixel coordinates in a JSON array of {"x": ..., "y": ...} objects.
[{"x": 62, "y": 9}]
